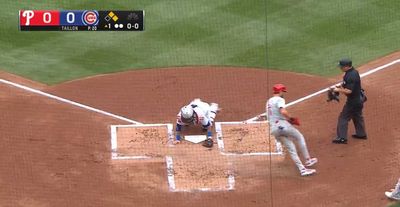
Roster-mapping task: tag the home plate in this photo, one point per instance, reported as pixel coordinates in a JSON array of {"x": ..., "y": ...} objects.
[{"x": 195, "y": 138}]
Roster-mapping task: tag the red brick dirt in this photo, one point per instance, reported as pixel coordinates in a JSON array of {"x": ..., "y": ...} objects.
[{"x": 55, "y": 154}]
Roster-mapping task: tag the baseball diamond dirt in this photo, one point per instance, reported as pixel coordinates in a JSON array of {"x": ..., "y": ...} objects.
[
  {"x": 194, "y": 172},
  {"x": 144, "y": 141},
  {"x": 55, "y": 154},
  {"x": 247, "y": 138}
]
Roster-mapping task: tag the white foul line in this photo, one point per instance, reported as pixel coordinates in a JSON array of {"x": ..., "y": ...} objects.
[
  {"x": 326, "y": 89},
  {"x": 68, "y": 101}
]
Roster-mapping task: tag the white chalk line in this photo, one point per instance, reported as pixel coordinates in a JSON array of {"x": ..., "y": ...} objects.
[
  {"x": 326, "y": 89},
  {"x": 114, "y": 140},
  {"x": 221, "y": 145},
  {"x": 114, "y": 144},
  {"x": 170, "y": 173},
  {"x": 168, "y": 159},
  {"x": 67, "y": 101}
]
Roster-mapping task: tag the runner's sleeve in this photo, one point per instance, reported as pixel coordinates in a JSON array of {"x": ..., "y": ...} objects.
[{"x": 281, "y": 103}]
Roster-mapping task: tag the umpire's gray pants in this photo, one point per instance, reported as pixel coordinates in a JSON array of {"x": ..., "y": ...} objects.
[{"x": 354, "y": 112}]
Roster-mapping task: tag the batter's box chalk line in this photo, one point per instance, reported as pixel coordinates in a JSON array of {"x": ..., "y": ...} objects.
[
  {"x": 221, "y": 145},
  {"x": 372, "y": 71},
  {"x": 172, "y": 187},
  {"x": 114, "y": 140}
]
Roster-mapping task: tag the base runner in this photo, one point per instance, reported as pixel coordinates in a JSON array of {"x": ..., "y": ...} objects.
[{"x": 282, "y": 128}]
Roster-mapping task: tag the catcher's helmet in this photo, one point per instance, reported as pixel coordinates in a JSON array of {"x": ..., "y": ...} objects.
[
  {"x": 187, "y": 112},
  {"x": 279, "y": 88}
]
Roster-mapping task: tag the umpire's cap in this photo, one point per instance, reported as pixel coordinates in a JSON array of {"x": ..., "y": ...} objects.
[{"x": 345, "y": 62}]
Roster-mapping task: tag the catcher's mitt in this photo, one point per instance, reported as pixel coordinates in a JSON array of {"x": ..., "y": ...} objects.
[
  {"x": 332, "y": 95},
  {"x": 208, "y": 143}
]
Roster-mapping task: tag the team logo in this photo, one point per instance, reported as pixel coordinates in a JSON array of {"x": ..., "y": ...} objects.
[{"x": 90, "y": 17}]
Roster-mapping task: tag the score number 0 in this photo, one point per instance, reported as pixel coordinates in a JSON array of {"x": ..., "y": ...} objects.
[{"x": 135, "y": 26}]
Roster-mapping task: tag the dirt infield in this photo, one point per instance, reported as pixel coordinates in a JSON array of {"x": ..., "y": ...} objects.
[
  {"x": 205, "y": 172},
  {"x": 142, "y": 141},
  {"x": 54, "y": 154},
  {"x": 247, "y": 138}
]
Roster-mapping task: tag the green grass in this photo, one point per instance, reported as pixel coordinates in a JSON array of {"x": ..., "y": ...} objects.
[
  {"x": 397, "y": 204},
  {"x": 309, "y": 36},
  {"x": 305, "y": 36}
]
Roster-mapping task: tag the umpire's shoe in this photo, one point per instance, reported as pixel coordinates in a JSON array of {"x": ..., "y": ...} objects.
[
  {"x": 339, "y": 140},
  {"x": 358, "y": 137}
]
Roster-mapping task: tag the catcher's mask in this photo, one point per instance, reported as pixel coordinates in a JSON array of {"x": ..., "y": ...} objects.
[
  {"x": 187, "y": 114},
  {"x": 187, "y": 120}
]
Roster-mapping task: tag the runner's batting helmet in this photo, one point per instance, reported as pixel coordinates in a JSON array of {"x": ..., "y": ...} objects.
[{"x": 279, "y": 88}]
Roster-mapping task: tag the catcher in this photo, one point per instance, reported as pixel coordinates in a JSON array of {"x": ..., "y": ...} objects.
[
  {"x": 281, "y": 125},
  {"x": 197, "y": 112}
]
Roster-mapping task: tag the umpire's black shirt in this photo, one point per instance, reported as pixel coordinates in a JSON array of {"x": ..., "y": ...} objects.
[{"x": 352, "y": 81}]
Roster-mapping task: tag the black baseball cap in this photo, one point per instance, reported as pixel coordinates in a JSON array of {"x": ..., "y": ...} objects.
[{"x": 345, "y": 62}]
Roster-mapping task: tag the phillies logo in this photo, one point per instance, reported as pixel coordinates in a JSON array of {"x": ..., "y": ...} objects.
[{"x": 90, "y": 17}]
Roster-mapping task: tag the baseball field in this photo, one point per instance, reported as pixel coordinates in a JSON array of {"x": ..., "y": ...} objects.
[{"x": 87, "y": 118}]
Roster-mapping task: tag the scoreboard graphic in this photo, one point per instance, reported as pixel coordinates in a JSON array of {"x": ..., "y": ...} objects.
[{"x": 80, "y": 20}]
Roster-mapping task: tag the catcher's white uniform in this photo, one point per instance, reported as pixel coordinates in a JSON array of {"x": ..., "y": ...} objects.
[
  {"x": 203, "y": 113},
  {"x": 197, "y": 112}
]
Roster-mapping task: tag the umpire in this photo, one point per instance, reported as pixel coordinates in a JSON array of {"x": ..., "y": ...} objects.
[{"x": 351, "y": 87}]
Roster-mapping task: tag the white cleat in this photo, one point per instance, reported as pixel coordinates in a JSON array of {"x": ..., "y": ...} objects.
[
  {"x": 395, "y": 193},
  {"x": 311, "y": 161},
  {"x": 307, "y": 172},
  {"x": 393, "y": 196}
]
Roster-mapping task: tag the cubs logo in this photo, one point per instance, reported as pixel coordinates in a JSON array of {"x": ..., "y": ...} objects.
[{"x": 90, "y": 18}]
